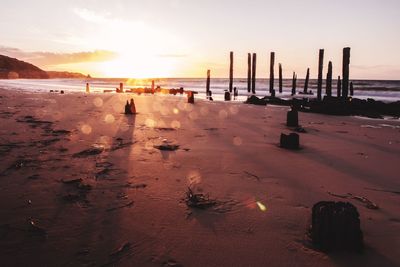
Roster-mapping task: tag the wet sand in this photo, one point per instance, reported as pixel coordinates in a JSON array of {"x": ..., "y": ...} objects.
[{"x": 82, "y": 184}]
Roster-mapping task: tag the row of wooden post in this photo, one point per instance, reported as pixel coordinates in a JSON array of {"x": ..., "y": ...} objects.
[{"x": 342, "y": 86}]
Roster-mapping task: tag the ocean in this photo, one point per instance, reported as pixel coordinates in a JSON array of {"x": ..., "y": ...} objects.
[{"x": 387, "y": 91}]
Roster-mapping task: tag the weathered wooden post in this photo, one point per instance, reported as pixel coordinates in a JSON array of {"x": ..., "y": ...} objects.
[
  {"x": 231, "y": 72},
  {"x": 294, "y": 84},
  {"x": 208, "y": 85},
  {"x": 253, "y": 74},
  {"x": 351, "y": 89},
  {"x": 320, "y": 68},
  {"x": 339, "y": 87},
  {"x": 271, "y": 73},
  {"x": 329, "y": 80},
  {"x": 306, "y": 81},
  {"x": 345, "y": 74},
  {"x": 280, "y": 78},
  {"x": 248, "y": 72},
  {"x": 152, "y": 86},
  {"x": 121, "y": 87},
  {"x": 87, "y": 88}
]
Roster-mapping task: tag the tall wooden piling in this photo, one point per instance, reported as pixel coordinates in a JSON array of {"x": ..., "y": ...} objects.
[
  {"x": 306, "y": 81},
  {"x": 294, "y": 80},
  {"x": 248, "y": 72},
  {"x": 208, "y": 84},
  {"x": 231, "y": 72},
  {"x": 280, "y": 78},
  {"x": 121, "y": 87},
  {"x": 271, "y": 72},
  {"x": 339, "y": 87},
  {"x": 351, "y": 89},
  {"x": 345, "y": 70},
  {"x": 152, "y": 85},
  {"x": 329, "y": 80},
  {"x": 253, "y": 74},
  {"x": 320, "y": 68}
]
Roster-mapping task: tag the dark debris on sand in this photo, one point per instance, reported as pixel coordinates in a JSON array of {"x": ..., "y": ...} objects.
[
  {"x": 198, "y": 200},
  {"x": 167, "y": 147},
  {"x": 88, "y": 152}
]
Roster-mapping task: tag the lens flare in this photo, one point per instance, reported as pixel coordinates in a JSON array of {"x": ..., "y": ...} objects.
[{"x": 261, "y": 206}]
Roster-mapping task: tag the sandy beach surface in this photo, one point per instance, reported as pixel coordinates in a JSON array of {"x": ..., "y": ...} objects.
[{"x": 82, "y": 184}]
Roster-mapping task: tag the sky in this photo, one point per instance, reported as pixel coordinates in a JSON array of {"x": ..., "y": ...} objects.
[{"x": 184, "y": 38}]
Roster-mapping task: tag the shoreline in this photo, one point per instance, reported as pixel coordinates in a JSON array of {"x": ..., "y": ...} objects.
[{"x": 127, "y": 209}]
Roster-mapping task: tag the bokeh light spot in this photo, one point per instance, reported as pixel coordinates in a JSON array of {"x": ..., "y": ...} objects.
[
  {"x": 86, "y": 129},
  {"x": 237, "y": 141},
  {"x": 98, "y": 102}
]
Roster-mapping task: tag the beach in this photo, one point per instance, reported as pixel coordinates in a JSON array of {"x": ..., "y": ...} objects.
[{"x": 83, "y": 184}]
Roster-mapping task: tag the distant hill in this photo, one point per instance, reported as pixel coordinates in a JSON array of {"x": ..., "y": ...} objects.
[
  {"x": 66, "y": 74},
  {"x": 12, "y": 68}
]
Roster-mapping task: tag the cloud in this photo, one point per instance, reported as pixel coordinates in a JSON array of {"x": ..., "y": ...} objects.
[
  {"x": 172, "y": 55},
  {"x": 44, "y": 59}
]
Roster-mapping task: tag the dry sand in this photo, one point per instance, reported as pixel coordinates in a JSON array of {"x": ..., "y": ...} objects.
[{"x": 128, "y": 209}]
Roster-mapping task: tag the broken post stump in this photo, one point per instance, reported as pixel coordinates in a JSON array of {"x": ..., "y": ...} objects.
[
  {"x": 290, "y": 141},
  {"x": 121, "y": 87},
  {"x": 329, "y": 80},
  {"x": 253, "y": 74},
  {"x": 87, "y": 88},
  {"x": 271, "y": 73},
  {"x": 190, "y": 96},
  {"x": 208, "y": 84},
  {"x": 339, "y": 87},
  {"x": 336, "y": 226},
  {"x": 280, "y": 78},
  {"x": 227, "y": 96},
  {"x": 306, "y": 81},
  {"x": 292, "y": 118},
  {"x": 345, "y": 70},
  {"x": 351, "y": 89},
  {"x": 320, "y": 68},
  {"x": 294, "y": 80},
  {"x": 231, "y": 72},
  {"x": 248, "y": 72}
]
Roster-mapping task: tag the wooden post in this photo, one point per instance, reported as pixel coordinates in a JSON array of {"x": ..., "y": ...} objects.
[
  {"x": 345, "y": 74},
  {"x": 329, "y": 80},
  {"x": 351, "y": 89},
  {"x": 152, "y": 85},
  {"x": 280, "y": 78},
  {"x": 253, "y": 74},
  {"x": 294, "y": 84},
  {"x": 307, "y": 80},
  {"x": 231, "y": 72},
  {"x": 320, "y": 68},
  {"x": 339, "y": 87},
  {"x": 271, "y": 73},
  {"x": 208, "y": 85},
  {"x": 121, "y": 87},
  {"x": 248, "y": 72},
  {"x": 87, "y": 88}
]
